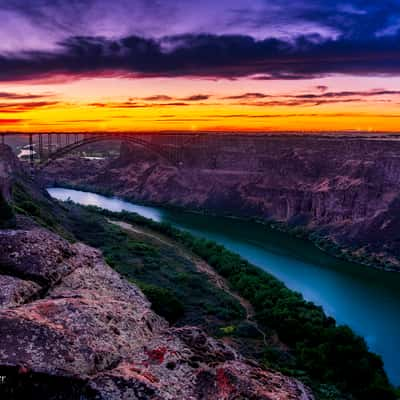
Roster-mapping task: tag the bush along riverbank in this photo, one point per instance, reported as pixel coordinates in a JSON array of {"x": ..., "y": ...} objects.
[{"x": 328, "y": 356}]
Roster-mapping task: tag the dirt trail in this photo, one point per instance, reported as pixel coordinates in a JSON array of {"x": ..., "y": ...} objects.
[{"x": 201, "y": 266}]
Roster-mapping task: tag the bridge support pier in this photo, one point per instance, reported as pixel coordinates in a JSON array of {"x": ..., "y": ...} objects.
[
  {"x": 31, "y": 150},
  {"x": 40, "y": 147},
  {"x": 49, "y": 144}
]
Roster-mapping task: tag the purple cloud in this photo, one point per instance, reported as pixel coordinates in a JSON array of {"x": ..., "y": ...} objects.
[
  {"x": 225, "y": 39},
  {"x": 208, "y": 56}
]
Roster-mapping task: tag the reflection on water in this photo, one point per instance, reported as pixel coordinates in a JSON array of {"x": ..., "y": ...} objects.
[{"x": 363, "y": 298}]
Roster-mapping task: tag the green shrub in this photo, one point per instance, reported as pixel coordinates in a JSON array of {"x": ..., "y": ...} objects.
[
  {"x": 30, "y": 208},
  {"x": 7, "y": 217},
  {"x": 163, "y": 302},
  {"x": 228, "y": 330}
]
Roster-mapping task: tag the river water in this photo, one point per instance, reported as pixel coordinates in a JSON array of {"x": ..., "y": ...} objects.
[{"x": 365, "y": 299}]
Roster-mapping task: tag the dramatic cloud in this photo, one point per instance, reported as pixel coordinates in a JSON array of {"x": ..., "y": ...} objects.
[
  {"x": 208, "y": 56},
  {"x": 57, "y": 39}
]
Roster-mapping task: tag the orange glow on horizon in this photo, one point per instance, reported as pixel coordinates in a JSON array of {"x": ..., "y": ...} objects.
[{"x": 177, "y": 104}]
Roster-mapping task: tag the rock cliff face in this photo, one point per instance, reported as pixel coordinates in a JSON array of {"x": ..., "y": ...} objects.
[
  {"x": 72, "y": 328},
  {"x": 345, "y": 188}
]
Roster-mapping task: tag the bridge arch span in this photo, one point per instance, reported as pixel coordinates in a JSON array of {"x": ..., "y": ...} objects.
[{"x": 167, "y": 155}]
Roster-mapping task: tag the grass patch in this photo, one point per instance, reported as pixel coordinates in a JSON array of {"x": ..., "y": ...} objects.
[{"x": 163, "y": 302}]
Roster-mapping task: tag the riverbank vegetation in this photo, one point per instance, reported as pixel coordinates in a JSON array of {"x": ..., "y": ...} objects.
[
  {"x": 355, "y": 254},
  {"x": 323, "y": 351}
]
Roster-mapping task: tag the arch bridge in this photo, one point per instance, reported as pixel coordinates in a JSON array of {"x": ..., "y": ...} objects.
[{"x": 46, "y": 147}]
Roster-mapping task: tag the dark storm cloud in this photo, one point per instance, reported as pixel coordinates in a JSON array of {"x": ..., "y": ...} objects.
[{"x": 227, "y": 56}]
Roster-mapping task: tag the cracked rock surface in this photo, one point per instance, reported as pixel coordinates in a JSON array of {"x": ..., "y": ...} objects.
[{"x": 72, "y": 328}]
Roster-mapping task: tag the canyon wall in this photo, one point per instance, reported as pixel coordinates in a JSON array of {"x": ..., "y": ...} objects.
[{"x": 345, "y": 189}]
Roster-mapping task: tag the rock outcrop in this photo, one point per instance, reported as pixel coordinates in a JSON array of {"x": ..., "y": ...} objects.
[
  {"x": 72, "y": 328},
  {"x": 346, "y": 189}
]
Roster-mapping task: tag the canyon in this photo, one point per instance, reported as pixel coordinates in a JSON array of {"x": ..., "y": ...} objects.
[
  {"x": 344, "y": 191},
  {"x": 72, "y": 328}
]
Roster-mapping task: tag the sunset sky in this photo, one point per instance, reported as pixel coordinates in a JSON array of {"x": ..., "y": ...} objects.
[{"x": 226, "y": 65}]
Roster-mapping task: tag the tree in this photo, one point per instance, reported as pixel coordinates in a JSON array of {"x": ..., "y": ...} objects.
[{"x": 7, "y": 217}]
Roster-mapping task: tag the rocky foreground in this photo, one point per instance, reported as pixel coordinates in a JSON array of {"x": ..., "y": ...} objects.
[
  {"x": 71, "y": 327},
  {"x": 344, "y": 189}
]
